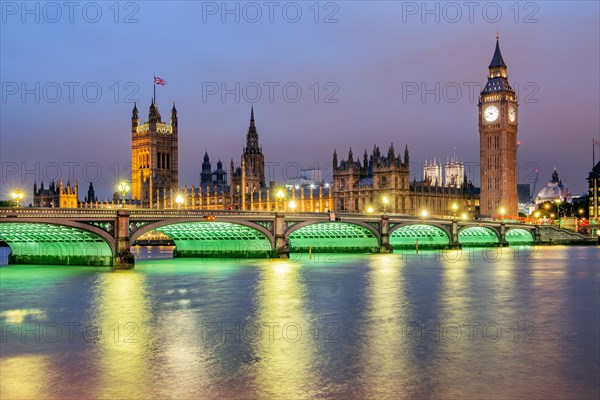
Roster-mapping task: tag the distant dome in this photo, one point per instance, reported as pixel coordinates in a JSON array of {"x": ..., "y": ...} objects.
[{"x": 554, "y": 190}]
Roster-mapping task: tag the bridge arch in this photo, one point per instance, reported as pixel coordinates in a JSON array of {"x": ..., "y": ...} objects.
[
  {"x": 65, "y": 243},
  {"x": 429, "y": 235},
  {"x": 477, "y": 235},
  {"x": 196, "y": 237},
  {"x": 330, "y": 236},
  {"x": 520, "y": 236}
]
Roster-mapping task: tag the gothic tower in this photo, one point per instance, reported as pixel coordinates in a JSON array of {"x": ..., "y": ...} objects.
[
  {"x": 253, "y": 156},
  {"x": 206, "y": 174},
  {"x": 498, "y": 141},
  {"x": 154, "y": 155}
]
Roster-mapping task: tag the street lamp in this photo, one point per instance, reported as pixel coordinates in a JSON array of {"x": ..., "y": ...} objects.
[
  {"x": 423, "y": 214},
  {"x": 454, "y": 208},
  {"x": 292, "y": 205},
  {"x": 385, "y": 201},
  {"x": 179, "y": 200},
  {"x": 280, "y": 196},
  {"x": 537, "y": 214},
  {"x": 17, "y": 195},
  {"x": 464, "y": 216},
  {"x": 370, "y": 210},
  {"x": 123, "y": 189},
  {"x": 502, "y": 212}
]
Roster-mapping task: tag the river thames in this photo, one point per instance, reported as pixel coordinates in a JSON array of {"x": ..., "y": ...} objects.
[{"x": 494, "y": 323}]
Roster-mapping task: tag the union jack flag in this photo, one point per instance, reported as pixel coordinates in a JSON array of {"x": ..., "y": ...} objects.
[{"x": 159, "y": 81}]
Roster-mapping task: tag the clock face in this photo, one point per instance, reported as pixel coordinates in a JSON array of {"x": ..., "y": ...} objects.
[
  {"x": 512, "y": 114},
  {"x": 491, "y": 113}
]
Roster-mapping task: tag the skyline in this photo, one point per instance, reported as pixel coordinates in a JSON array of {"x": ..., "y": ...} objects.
[{"x": 372, "y": 79}]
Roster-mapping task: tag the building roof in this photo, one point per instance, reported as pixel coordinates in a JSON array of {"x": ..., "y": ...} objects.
[{"x": 497, "y": 60}]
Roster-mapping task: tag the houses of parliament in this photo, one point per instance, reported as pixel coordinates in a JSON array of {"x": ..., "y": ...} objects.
[{"x": 357, "y": 186}]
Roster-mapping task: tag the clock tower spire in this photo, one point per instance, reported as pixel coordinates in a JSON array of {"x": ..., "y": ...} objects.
[{"x": 498, "y": 141}]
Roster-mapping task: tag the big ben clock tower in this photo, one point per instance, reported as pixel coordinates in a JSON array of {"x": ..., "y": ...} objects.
[{"x": 498, "y": 121}]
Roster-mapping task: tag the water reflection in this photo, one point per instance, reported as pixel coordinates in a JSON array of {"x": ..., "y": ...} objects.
[
  {"x": 385, "y": 356},
  {"x": 285, "y": 354},
  {"x": 26, "y": 376},
  {"x": 120, "y": 323}
]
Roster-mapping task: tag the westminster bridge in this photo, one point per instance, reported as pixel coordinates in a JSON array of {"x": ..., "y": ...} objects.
[{"x": 105, "y": 236}]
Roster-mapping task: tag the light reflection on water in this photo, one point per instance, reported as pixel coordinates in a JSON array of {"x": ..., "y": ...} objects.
[{"x": 487, "y": 325}]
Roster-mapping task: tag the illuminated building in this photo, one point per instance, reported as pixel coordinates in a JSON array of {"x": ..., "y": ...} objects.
[
  {"x": 594, "y": 191},
  {"x": 454, "y": 173},
  {"x": 154, "y": 155},
  {"x": 432, "y": 173},
  {"x": 60, "y": 197},
  {"x": 498, "y": 121},
  {"x": 553, "y": 191},
  {"x": 382, "y": 183}
]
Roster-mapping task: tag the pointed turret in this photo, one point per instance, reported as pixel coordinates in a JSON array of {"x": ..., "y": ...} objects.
[
  {"x": 335, "y": 160},
  {"x": 365, "y": 160},
  {"x": 350, "y": 158},
  {"x": 497, "y": 60},
  {"x": 555, "y": 178},
  {"x": 135, "y": 118},
  {"x": 391, "y": 154},
  {"x": 251, "y": 116},
  {"x": 406, "y": 159},
  {"x": 153, "y": 114}
]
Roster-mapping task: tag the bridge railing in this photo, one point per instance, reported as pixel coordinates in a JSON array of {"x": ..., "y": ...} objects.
[{"x": 30, "y": 212}]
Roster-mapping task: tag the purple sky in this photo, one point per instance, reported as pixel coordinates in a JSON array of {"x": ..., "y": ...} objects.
[{"x": 370, "y": 58}]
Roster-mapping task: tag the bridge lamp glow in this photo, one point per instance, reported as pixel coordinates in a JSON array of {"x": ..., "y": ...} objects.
[
  {"x": 537, "y": 214},
  {"x": 424, "y": 213},
  {"x": 502, "y": 212},
  {"x": 17, "y": 195},
  {"x": 179, "y": 200},
  {"x": 292, "y": 205},
  {"x": 123, "y": 188},
  {"x": 370, "y": 210},
  {"x": 280, "y": 195},
  {"x": 464, "y": 216}
]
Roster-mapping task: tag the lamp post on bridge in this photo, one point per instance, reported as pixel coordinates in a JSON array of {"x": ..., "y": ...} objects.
[
  {"x": 123, "y": 189},
  {"x": 385, "y": 202},
  {"x": 280, "y": 196},
  {"x": 17, "y": 195}
]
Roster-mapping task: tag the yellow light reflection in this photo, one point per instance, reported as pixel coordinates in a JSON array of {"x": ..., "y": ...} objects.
[
  {"x": 26, "y": 377},
  {"x": 121, "y": 310},
  {"x": 383, "y": 352},
  {"x": 286, "y": 352}
]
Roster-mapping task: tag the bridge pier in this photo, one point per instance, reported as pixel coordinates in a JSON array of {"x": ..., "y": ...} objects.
[
  {"x": 123, "y": 258},
  {"x": 384, "y": 233},
  {"x": 282, "y": 247},
  {"x": 503, "y": 241},
  {"x": 454, "y": 243}
]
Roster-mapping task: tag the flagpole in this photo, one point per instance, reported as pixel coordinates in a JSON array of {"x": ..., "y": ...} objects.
[{"x": 154, "y": 81}]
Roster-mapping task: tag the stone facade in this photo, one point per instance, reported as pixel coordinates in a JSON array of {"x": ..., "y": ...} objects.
[
  {"x": 498, "y": 122},
  {"x": 53, "y": 196},
  {"x": 154, "y": 155},
  {"x": 382, "y": 184}
]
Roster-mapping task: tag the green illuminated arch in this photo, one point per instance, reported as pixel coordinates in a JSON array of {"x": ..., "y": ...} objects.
[
  {"x": 332, "y": 236},
  {"x": 519, "y": 236},
  {"x": 477, "y": 236},
  {"x": 43, "y": 243},
  {"x": 429, "y": 236},
  {"x": 207, "y": 239}
]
